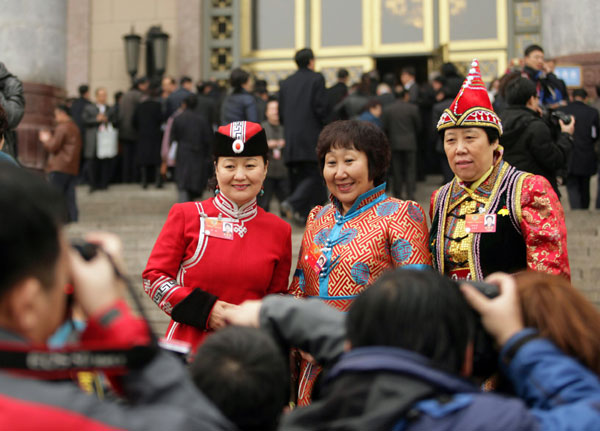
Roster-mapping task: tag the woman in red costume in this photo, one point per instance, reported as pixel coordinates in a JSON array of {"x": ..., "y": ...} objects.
[
  {"x": 491, "y": 217},
  {"x": 217, "y": 253}
]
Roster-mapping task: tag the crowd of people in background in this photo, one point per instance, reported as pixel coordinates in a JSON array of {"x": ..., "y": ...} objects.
[{"x": 134, "y": 140}]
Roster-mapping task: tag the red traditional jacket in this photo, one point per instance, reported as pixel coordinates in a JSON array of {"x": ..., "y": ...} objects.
[
  {"x": 188, "y": 270},
  {"x": 530, "y": 226}
]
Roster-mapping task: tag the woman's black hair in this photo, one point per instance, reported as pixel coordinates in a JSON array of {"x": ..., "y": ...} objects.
[
  {"x": 417, "y": 310},
  {"x": 361, "y": 136}
]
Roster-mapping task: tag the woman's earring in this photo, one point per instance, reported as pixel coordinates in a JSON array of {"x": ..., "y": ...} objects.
[
  {"x": 262, "y": 191},
  {"x": 217, "y": 191}
]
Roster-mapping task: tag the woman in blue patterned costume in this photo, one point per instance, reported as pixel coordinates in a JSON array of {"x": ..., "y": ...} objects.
[{"x": 351, "y": 241}]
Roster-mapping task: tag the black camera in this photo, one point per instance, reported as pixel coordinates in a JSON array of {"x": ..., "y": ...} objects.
[
  {"x": 562, "y": 116},
  {"x": 485, "y": 354},
  {"x": 86, "y": 249}
]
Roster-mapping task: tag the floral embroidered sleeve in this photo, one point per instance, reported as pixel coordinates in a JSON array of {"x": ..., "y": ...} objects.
[
  {"x": 408, "y": 236},
  {"x": 543, "y": 226}
]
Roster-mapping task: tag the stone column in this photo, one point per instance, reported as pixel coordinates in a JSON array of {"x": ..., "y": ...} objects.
[
  {"x": 33, "y": 47},
  {"x": 188, "y": 50}
]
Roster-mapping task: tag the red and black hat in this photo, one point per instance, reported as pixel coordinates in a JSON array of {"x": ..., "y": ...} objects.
[
  {"x": 471, "y": 107},
  {"x": 241, "y": 139}
]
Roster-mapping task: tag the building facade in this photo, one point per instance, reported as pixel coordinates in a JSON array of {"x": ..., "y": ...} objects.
[{"x": 56, "y": 45}]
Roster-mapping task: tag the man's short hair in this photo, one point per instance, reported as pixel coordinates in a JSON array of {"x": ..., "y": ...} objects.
[
  {"x": 238, "y": 78},
  {"x": 243, "y": 372},
  {"x": 83, "y": 89},
  {"x": 519, "y": 91},
  {"x": 191, "y": 101},
  {"x": 342, "y": 73},
  {"x": 532, "y": 48},
  {"x": 64, "y": 108},
  {"x": 141, "y": 80},
  {"x": 31, "y": 213},
  {"x": 303, "y": 57},
  {"x": 417, "y": 310},
  {"x": 409, "y": 70},
  {"x": 184, "y": 80},
  {"x": 580, "y": 92}
]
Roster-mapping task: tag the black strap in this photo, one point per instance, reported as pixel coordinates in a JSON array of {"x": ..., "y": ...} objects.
[
  {"x": 512, "y": 351},
  {"x": 48, "y": 364}
]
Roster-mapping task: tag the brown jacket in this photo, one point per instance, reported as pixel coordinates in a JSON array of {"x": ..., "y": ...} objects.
[{"x": 64, "y": 149}]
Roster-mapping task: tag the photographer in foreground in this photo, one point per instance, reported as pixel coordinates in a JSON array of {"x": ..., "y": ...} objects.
[
  {"x": 36, "y": 264},
  {"x": 412, "y": 341}
]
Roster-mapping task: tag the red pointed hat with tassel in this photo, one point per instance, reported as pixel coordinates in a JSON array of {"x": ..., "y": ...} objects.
[{"x": 471, "y": 107}]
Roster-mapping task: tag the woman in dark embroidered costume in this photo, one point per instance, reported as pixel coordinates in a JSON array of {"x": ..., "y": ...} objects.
[
  {"x": 529, "y": 229},
  {"x": 217, "y": 253},
  {"x": 362, "y": 232}
]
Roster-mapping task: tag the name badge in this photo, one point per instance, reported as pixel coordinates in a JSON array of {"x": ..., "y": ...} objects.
[
  {"x": 480, "y": 223},
  {"x": 218, "y": 228},
  {"x": 315, "y": 258}
]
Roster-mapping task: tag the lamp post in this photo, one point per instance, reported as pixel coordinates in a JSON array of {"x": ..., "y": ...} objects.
[
  {"x": 132, "y": 53},
  {"x": 157, "y": 43}
]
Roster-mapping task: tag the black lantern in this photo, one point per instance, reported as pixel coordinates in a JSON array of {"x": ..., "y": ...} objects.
[
  {"x": 157, "y": 43},
  {"x": 132, "y": 52}
]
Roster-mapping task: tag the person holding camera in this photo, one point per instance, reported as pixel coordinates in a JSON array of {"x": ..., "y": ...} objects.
[
  {"x": 529, "y": 228},
  {"x": 36, "y": 266},
  {"x": 411, "y": 352},
  {"x": 528, "y": 140}
]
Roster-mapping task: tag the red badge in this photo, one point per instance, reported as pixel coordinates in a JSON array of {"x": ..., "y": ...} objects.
[
  {"x": 218, "y": 228},
  {"x": 480, "y": 223}
]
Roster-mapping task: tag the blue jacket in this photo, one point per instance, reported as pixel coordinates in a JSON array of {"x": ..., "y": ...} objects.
[
  {"x": 555, "y": 391},
  {"x": 239, "y": 107}
]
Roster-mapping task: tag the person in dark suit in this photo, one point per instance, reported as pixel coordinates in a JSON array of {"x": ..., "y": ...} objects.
[
  {"x": 337, "y": 93},
  {"x": 402, "y": 124},
  {"x": 206, "y": 106},
  {"x": 583, "y": 163},
  {"x": 303, "y": 109},
  {"x": 176, "y": 97},
  {"x": 97, "y": 116},
  {"x": 147, "y": 120},
  {"x": 194, "y": 138},
  {"x": 407, "y": 78}
]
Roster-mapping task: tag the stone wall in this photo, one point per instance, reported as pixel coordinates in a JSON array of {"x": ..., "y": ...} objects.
[
  {"x": 570, "y": 27},
  {"x": 110, "y": 20}
]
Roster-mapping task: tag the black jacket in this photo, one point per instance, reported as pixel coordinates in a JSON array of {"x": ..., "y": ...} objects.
[
  {"x": 402, "y": 124},
  {"x": 587, "y": 124},
  {"x": 335, "y": 94},
  {"x": 239, "y": 106},
  {"x": 303, "y": 109},
  {"x": 147, "y": 120},
  {"x": 528, "y": 144},
  {"x": 194, "y": 139},
  {"x": 13, "y": 102}
]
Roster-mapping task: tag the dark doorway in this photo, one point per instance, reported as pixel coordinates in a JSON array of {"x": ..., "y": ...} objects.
[{"x": 394, "y": 65}]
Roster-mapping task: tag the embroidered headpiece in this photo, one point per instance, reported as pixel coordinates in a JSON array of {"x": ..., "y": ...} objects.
[
  {"x": 471, "y": 107},
  {"x": 240, "y": 139}
]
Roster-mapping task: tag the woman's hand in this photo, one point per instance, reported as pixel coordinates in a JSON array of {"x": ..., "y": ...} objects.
[
  {"x": 246, "y": 314},
  {"x": 217, "y": 320},
  {"x": 500, "y": 316}
]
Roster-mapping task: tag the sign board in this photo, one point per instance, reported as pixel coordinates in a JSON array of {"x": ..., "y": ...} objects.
[{"x": 570, "y": 74}]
